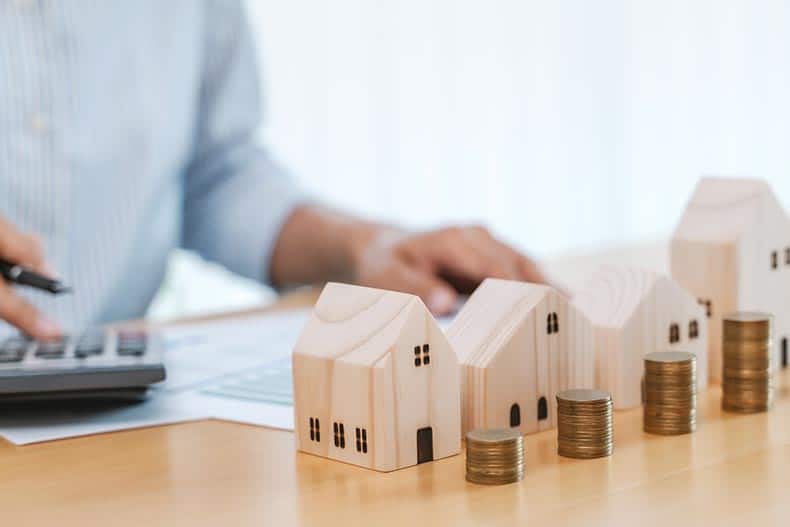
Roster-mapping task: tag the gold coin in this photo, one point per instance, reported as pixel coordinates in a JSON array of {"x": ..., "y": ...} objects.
[
  {"x": 584, "y": 424},
  {"x": 584, "y": 396},
  {"x": 494, "y": 435},
  {"x": 494, "y": 457},
  {"x": 747, "y": 325},
  {"x": 672, "y": 357}
]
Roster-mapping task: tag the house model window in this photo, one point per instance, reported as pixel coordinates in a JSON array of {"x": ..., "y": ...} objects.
[
  {"x": 340, "y": 435},
  {"x": 674, "y": 333},
  {"x": 552, "y": 324},
  {"x": 543, "y": 409},
  {"x": 362, "y": 440},
  {"x": 422, "y": 355},
  {"x": 775, "y": 260},
  {"x": 315, "y": 430},
  {"x": 693, "y": 329},
  {"x": 787, "y": 256},
  {"x": 708, "y": 306}
]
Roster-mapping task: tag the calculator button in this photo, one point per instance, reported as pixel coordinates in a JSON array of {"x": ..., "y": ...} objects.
[
  {"x": 13, "y": 349},
  {"x": 131, "y": 344},
  {"x": 51, "y": 349},
  {"x": 131, "y": 349},
  {"x": 89, "y": 345}
]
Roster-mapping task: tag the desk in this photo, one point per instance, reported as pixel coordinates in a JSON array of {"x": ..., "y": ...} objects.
[{"x": 734, "y": 470}]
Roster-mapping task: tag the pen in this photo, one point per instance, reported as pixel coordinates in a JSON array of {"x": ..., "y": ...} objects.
[{"x": 18, "y": 274}]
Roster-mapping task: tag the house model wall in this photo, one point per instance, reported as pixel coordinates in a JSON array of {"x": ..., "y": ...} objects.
[
  {"x": 375, "y": 381},
  {"x": 635, "y": 312},
  {"x": 518, "y": 345},
  {"x": 731, "y": 249}
]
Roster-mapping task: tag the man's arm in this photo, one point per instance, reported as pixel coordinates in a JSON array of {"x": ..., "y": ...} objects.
[
  {"x": 317, "y": 245},
  {"x": 236, "y": 196}
]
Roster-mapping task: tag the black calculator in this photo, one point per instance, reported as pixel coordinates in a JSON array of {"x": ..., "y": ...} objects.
[{"x": 99, "y": 365}]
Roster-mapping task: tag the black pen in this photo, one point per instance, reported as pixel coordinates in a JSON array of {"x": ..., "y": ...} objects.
[{"x": 18, "y": 274}]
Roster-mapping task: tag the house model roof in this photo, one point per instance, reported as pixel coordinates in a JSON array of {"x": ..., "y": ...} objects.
[
  {"x": 371, "y": 319},
  {"x": 613, "y": 294},
  {"x": 490, "y": 317},
  {"x": 723, "y": 209}
]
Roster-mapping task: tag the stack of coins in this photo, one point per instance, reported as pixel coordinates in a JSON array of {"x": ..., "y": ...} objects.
[
  {"x": 494, "y": 457},
  {"x": 584, "y": 424},
  {"x": 747, "y": 384},
  {"x": 670, "y": 393}
]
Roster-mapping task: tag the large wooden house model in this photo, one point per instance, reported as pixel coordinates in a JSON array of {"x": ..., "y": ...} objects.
[
  {"x": 375, "y": 381},
  {"x": 731, "y": 249},
  {"x": 518, "y": 345},
  {"x": 635, "y": 312}
]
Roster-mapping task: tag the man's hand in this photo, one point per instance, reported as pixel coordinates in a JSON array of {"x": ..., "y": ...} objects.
[
  {"x": 437, "y": 265},
  {"x": 24, "y": 249},
  {"x": 318, "y": 245}
]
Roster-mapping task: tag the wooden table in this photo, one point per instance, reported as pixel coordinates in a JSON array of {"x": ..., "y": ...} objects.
[{"x": 735, "y": 469}]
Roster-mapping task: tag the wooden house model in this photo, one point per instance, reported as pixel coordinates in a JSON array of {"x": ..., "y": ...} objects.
[
  {"x": 635, "y": 312},
  {"x": 376, "y": 383},
  {"x": 518, "y": 345},
  {"x": 731, "y": 249}
]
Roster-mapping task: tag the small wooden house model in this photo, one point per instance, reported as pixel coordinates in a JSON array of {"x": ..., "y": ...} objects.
[
  {"x": 635, "y": 312},
  {"x": 731, "y": 249},
  {"x": 518, "y": 345},
  {"x": 375, "y": 381}
]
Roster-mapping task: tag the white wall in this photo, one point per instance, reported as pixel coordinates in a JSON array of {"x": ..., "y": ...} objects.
[{"x": 558, "y": 123}]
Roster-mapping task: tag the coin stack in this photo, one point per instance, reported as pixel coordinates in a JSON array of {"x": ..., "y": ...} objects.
[
  {"x": 747, "y": 384},
  {"x": 670, "y": 393},
  {"x": 494, "y": 457},
  {"x": 584, "y": 424}
]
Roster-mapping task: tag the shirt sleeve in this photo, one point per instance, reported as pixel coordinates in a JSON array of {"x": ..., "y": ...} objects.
[{"x": 237, "y": 198}]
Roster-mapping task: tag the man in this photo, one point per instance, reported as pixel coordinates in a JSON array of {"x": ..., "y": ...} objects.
[{"x": 127, "y": 129}]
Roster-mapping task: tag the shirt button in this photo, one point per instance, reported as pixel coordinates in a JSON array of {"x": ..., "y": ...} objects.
[{"x": 39, "y": 123}]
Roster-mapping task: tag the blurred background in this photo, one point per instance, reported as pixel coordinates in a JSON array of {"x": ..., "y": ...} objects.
[{"x": 561, "y": 125}]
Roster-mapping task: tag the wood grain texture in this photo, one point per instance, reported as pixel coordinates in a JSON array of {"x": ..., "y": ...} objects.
[
  {"x": 518, "y": 343},
  {"x": 731, "y": 249},
  {"x": 635, "y": 312},
  {"x": 372, "y": 368}
]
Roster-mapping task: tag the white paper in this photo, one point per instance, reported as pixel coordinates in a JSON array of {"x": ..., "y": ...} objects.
[{"x": 34, "y": 427}]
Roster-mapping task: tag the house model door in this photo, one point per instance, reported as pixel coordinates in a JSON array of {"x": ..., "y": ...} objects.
[{"x": 424, "y": 445}]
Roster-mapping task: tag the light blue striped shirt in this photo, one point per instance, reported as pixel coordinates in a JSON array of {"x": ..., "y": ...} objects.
[{"x": 127, "y": 128}]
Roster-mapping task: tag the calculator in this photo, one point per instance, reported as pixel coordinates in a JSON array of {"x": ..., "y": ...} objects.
[{"x": 98, "y": 365}]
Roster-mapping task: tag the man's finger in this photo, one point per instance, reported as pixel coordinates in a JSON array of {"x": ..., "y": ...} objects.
[
  {"x": 530, "y": 271},
  {"x": 500, "y": 259},
  {"x": 446, "y": 250},
  {"x": 24, "y": 316},
  {"x": 526, "y": 268},
  {"x": 461, "y": 252},
  {"x": 20, "y": 248},
  {"x": 438, "y": 295}
]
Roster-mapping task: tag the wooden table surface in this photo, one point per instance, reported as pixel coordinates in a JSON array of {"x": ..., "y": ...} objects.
[{"x": 735, "y": 469}]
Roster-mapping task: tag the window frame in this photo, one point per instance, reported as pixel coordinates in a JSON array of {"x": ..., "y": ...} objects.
[
  {"x": 674, "y": 333},
  {"x": 693, "y": 329},
  {"x": 422, "y": 355}
]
